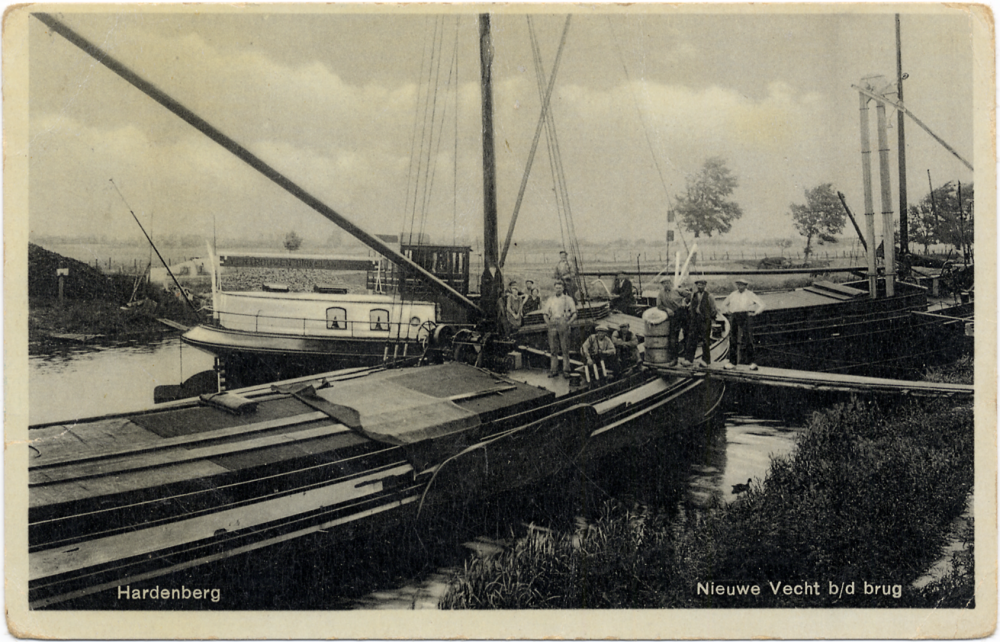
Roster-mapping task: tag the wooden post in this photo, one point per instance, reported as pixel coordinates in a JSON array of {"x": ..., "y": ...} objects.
[
  {"x": 888, "y": 224},
  {"x": 62, "y": 273},
  {"x": 904, "y": 235},
  {"x": 866, "y": 175}
]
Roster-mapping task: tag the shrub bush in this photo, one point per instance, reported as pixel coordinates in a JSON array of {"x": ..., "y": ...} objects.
[{"x": 865, "y": 500}]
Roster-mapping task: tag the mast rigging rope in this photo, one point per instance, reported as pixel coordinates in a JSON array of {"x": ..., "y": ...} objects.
[{"x": 649, "y": 142}]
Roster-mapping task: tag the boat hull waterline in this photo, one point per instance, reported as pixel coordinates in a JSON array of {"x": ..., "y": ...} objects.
[{"x": 121, "y": 500}]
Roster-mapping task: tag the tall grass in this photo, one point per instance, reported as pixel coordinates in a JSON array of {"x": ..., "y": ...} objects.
[{"x": 866, "y": 499}]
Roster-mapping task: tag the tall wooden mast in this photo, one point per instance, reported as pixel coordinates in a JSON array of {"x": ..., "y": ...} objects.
[
  {"x": 904, "y": 229},
  {"x": 491, "y": 283}
]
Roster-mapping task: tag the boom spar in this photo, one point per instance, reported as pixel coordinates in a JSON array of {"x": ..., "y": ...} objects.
[{"x": 249, "y": 158}]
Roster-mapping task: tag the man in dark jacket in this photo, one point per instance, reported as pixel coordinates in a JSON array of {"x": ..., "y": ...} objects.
[
  {"x": 701, "y": 313},
  {"x": 623, "y": 297}
]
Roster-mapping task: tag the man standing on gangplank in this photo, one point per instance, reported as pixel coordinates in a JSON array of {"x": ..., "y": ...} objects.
[{"x": 739, "y": 307}]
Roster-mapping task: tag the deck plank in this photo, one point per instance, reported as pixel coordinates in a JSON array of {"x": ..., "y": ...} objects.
[
  {"x": 131, "y": 439},
  {"x": 811, "y": 380},
  {"x": 153, "y": 462}
]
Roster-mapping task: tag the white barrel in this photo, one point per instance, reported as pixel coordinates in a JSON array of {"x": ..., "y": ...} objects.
[{"x": 657, "y": 328}]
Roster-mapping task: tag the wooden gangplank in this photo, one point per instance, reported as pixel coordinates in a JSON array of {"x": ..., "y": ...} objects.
[
  {"x": 173, "y": 324},
  {"x": 820, "y": 381}
]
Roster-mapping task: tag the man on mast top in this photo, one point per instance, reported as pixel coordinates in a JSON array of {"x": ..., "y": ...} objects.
[{"x": 564, "y": 272}]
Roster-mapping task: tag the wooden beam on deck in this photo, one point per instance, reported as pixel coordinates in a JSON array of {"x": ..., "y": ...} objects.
[{"x": 820, "y": 381}]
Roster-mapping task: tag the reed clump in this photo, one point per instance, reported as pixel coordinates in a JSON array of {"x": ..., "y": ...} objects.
[{"x": 866, "y": 500}]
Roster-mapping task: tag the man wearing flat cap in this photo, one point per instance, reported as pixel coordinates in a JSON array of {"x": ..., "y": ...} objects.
[
  {"x": 627, "y": 344},
  {"x": 674, "y": 301},
  {"x": 622, "y": 294},
  {"x": 740, "y": 307},
  {"x": 600, "y": 348},
  {"x": 701, "y": 313},
  {"x": 511, "y": 306},
  {"x": 564, "y": 272}
]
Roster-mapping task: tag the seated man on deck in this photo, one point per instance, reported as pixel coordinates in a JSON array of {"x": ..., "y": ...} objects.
[
  {"x": 623, "y": 296},
  {"x": 511, "y": 307},
  {"x": 600, "y": 353},
  {"x": 627, "y": 344}
]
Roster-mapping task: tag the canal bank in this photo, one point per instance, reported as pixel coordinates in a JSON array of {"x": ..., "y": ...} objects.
[{"x": 864, "y": 505}]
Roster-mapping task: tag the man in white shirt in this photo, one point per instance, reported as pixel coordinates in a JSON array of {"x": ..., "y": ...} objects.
[
  {"x": 559, "y": 312},
  {"x": 740, "y": 306}
]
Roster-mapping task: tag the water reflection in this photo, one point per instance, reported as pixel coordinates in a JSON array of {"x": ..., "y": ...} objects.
[
  {"x": 688, "y": 471},
  {"x": 742, "y": 451},
  {"x": 74, "y": 382}
]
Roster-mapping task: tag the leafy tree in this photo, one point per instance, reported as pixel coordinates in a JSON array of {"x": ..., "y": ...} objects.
[
  {"x": 820, "y": 218},
  {"x": 703, "y": 208},
  {"x": 922, "y": 226},
  {"x": 292, "y": 241},
  {"x": 942, "y": 221}
]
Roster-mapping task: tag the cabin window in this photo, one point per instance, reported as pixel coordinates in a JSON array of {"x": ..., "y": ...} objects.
[
  {"x": 336, "y": 319},
  {"x": 379, "y": 320},
  {"x": 415, "y": 321}
]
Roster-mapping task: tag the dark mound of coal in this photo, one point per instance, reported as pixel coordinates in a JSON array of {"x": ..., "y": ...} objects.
[{"x": 83, "y": 281}]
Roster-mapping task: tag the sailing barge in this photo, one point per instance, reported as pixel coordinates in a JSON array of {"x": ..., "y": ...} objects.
[
  {"x": 274, "y": 334},
  {"x": 129, "y": 498},
  {"x": 122, "y": 499},
  {"x": 839, "y": 327}
]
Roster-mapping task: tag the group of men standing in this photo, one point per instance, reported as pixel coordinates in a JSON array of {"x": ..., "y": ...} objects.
[
  {"x": 514, "y": 304},
  {"x": 617, "y": 351},
  {"x": 695, "y": 312}
]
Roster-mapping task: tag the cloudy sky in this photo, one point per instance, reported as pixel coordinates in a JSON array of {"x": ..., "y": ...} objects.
[{"x": 336, "y": 101}]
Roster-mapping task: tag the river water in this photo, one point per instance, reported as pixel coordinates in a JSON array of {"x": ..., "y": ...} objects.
[
  {"x": 693, "y": 471},
  {"x": 88, "y": 381}
]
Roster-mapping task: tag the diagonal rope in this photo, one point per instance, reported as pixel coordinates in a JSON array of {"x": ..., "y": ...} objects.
[
  {"x": 534, "y": 143},
  {"x": 539, "y": 78},
  {"x": 645, "y": 129},
  {"x": 432, "y": 114},
  {"x": 440, "y": 136},
  {"x": 411, "y": 174}
]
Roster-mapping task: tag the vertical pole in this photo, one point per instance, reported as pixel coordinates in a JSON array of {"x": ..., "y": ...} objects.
[
  {"x": 491, "y": 283},
  {"x": 638, "y": 272},
  {"x": 937, "y": 221},
  {"x": 888, "y": 224},
  {"x": 904, "y": 227},
  {"x": 866, "y": 175},
  {"x": 490, "y": 245},
  {"x": 961, "y": 226}
]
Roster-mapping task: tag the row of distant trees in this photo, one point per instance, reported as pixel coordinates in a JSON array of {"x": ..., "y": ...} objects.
[
  {"x": 706, "y": 208},
  {"x": 943, "y": 216}
]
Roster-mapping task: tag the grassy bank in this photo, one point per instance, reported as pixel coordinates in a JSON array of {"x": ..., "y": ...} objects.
[
  {"x": 106, "y": 314},
  {"x": 93, "y": 303},
  {"x": 865, "y": 501}
]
